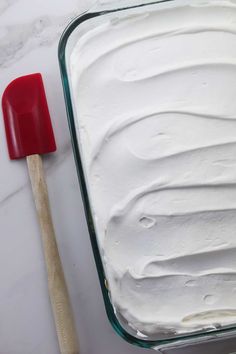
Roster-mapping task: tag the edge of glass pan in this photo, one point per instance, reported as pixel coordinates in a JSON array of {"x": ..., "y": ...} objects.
[{"x": 171, "y": 342}]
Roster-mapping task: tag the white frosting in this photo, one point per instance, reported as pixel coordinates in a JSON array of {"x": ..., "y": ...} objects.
[{"x": 155, "y": 96}]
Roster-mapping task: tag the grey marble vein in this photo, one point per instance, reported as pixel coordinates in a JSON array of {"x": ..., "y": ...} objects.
[
  {"x": 11, "y": 195},
  {"x": 51, "y": 163},
  {"x": 20, "y": 39},
  {"x": 5, "y": 4}
]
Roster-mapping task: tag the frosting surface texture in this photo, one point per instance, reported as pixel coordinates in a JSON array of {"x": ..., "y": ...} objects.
[{"x": 155, "y": 97}]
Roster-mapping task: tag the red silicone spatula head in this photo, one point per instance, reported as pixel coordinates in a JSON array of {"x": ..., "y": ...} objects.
[{"x": 26, "y": 117}]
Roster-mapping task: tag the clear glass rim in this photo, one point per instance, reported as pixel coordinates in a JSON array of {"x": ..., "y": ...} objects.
[{"x": 192, "y": 337}]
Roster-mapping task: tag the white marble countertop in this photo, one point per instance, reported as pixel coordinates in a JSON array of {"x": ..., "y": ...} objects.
[{"x": 29, "y": 34}]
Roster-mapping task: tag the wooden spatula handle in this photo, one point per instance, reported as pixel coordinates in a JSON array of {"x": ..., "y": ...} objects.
[{"x": 56, "y": 282}]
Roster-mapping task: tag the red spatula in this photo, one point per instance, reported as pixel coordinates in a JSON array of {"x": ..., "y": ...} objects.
[{"x": 29, "y": 134}]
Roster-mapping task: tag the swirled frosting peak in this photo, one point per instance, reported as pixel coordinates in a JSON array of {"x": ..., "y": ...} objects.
[{"x": 155, "y": 96}]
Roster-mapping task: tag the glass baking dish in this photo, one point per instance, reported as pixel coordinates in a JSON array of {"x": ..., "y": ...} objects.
[{"x": 78, "y": 27}]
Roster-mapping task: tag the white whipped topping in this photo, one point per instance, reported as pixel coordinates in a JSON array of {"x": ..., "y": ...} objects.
[{"x": 155, "y": 96}]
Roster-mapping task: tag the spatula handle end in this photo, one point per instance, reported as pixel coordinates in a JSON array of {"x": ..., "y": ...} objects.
[{"x": 56, "y": 281}]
